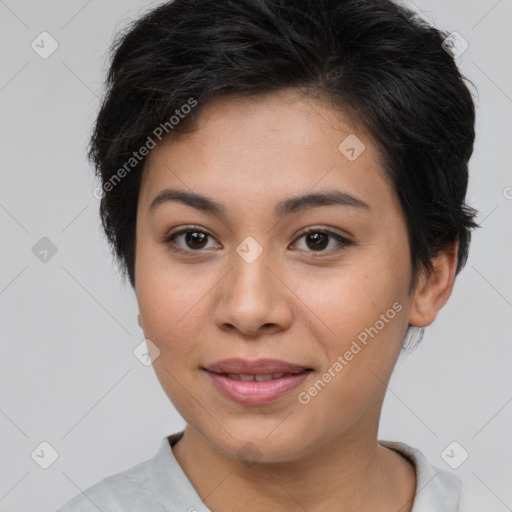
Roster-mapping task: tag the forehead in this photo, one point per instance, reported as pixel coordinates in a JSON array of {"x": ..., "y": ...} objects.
[{"x": 267, "y": 147}]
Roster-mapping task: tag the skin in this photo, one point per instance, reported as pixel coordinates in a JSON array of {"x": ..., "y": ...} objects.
[{"x": 295, "y": 302}]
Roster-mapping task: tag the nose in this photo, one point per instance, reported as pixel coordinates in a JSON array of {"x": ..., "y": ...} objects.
[{"x": 253, "y": 299}]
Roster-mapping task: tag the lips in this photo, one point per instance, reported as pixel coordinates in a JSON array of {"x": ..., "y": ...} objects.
[{"x": 255, "y": 382}]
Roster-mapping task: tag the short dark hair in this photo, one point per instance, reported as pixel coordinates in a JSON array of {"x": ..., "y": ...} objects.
[{"x": 374, "y": 58}]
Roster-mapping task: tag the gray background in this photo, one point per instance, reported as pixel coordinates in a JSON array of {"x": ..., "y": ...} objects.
[{"x": 67, "y": 372}]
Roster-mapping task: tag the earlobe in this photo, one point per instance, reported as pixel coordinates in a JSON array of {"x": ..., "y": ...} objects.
[{"x": 434, "y": 288}]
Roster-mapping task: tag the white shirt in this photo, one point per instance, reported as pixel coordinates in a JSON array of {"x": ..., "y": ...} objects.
[{"x": 160, "y": 485}]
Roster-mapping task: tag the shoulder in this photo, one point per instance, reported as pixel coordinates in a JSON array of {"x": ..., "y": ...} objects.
[
  {"x": 127, "y": 491},
  {"x": 140, "y": 488},
  {"x": 437, "y": 489},
  {"x": 157, "y": 484}
]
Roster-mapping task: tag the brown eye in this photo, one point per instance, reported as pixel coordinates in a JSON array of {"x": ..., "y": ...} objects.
[
  {"x": 317, "y": 240},
  {"x": 195, "y": 239},
  {"x": 188, "y": 239}
]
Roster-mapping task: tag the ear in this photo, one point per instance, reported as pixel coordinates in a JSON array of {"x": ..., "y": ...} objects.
[{"x": 434, "y": 288}]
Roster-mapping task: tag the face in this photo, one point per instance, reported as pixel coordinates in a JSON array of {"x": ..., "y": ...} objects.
[{"x": 319, "y": 286}]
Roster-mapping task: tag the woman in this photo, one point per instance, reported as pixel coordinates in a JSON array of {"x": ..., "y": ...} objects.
[{"x": 283, "y": 183}]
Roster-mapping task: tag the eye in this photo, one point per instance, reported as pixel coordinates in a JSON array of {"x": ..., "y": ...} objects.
[
  {"x": 317, "y": 240},
  {"x": 192, "y": 239}
]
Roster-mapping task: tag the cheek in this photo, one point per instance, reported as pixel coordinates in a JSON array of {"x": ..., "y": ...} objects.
[
  {"x": 360, "y": 359},
  {"x": 349, "y": 299},
  {"x": 365, "y": 311},
  {"x": 169, "y": 301},
  {"x": 174, "y": 316}
]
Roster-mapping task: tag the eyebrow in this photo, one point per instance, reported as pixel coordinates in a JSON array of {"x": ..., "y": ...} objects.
[{"x": 283, "y": 208}]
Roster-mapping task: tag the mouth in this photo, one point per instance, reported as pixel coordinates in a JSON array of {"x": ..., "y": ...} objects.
[
  {"x": 258, "y": 377},
  {"x": 259, "y": 367},
  {"x": 256, "y": 382}
]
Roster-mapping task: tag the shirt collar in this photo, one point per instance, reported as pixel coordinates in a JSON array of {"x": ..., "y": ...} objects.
[
  {"x": 169, "y": 483},
  {"x": 437, "y": 490}
]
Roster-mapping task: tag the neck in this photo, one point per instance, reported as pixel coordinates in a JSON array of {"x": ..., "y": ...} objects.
[{"x": 352, "y": 472}]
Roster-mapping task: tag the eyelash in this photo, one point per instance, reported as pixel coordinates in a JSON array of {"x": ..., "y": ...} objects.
[{"x": 342, "y": 241}]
